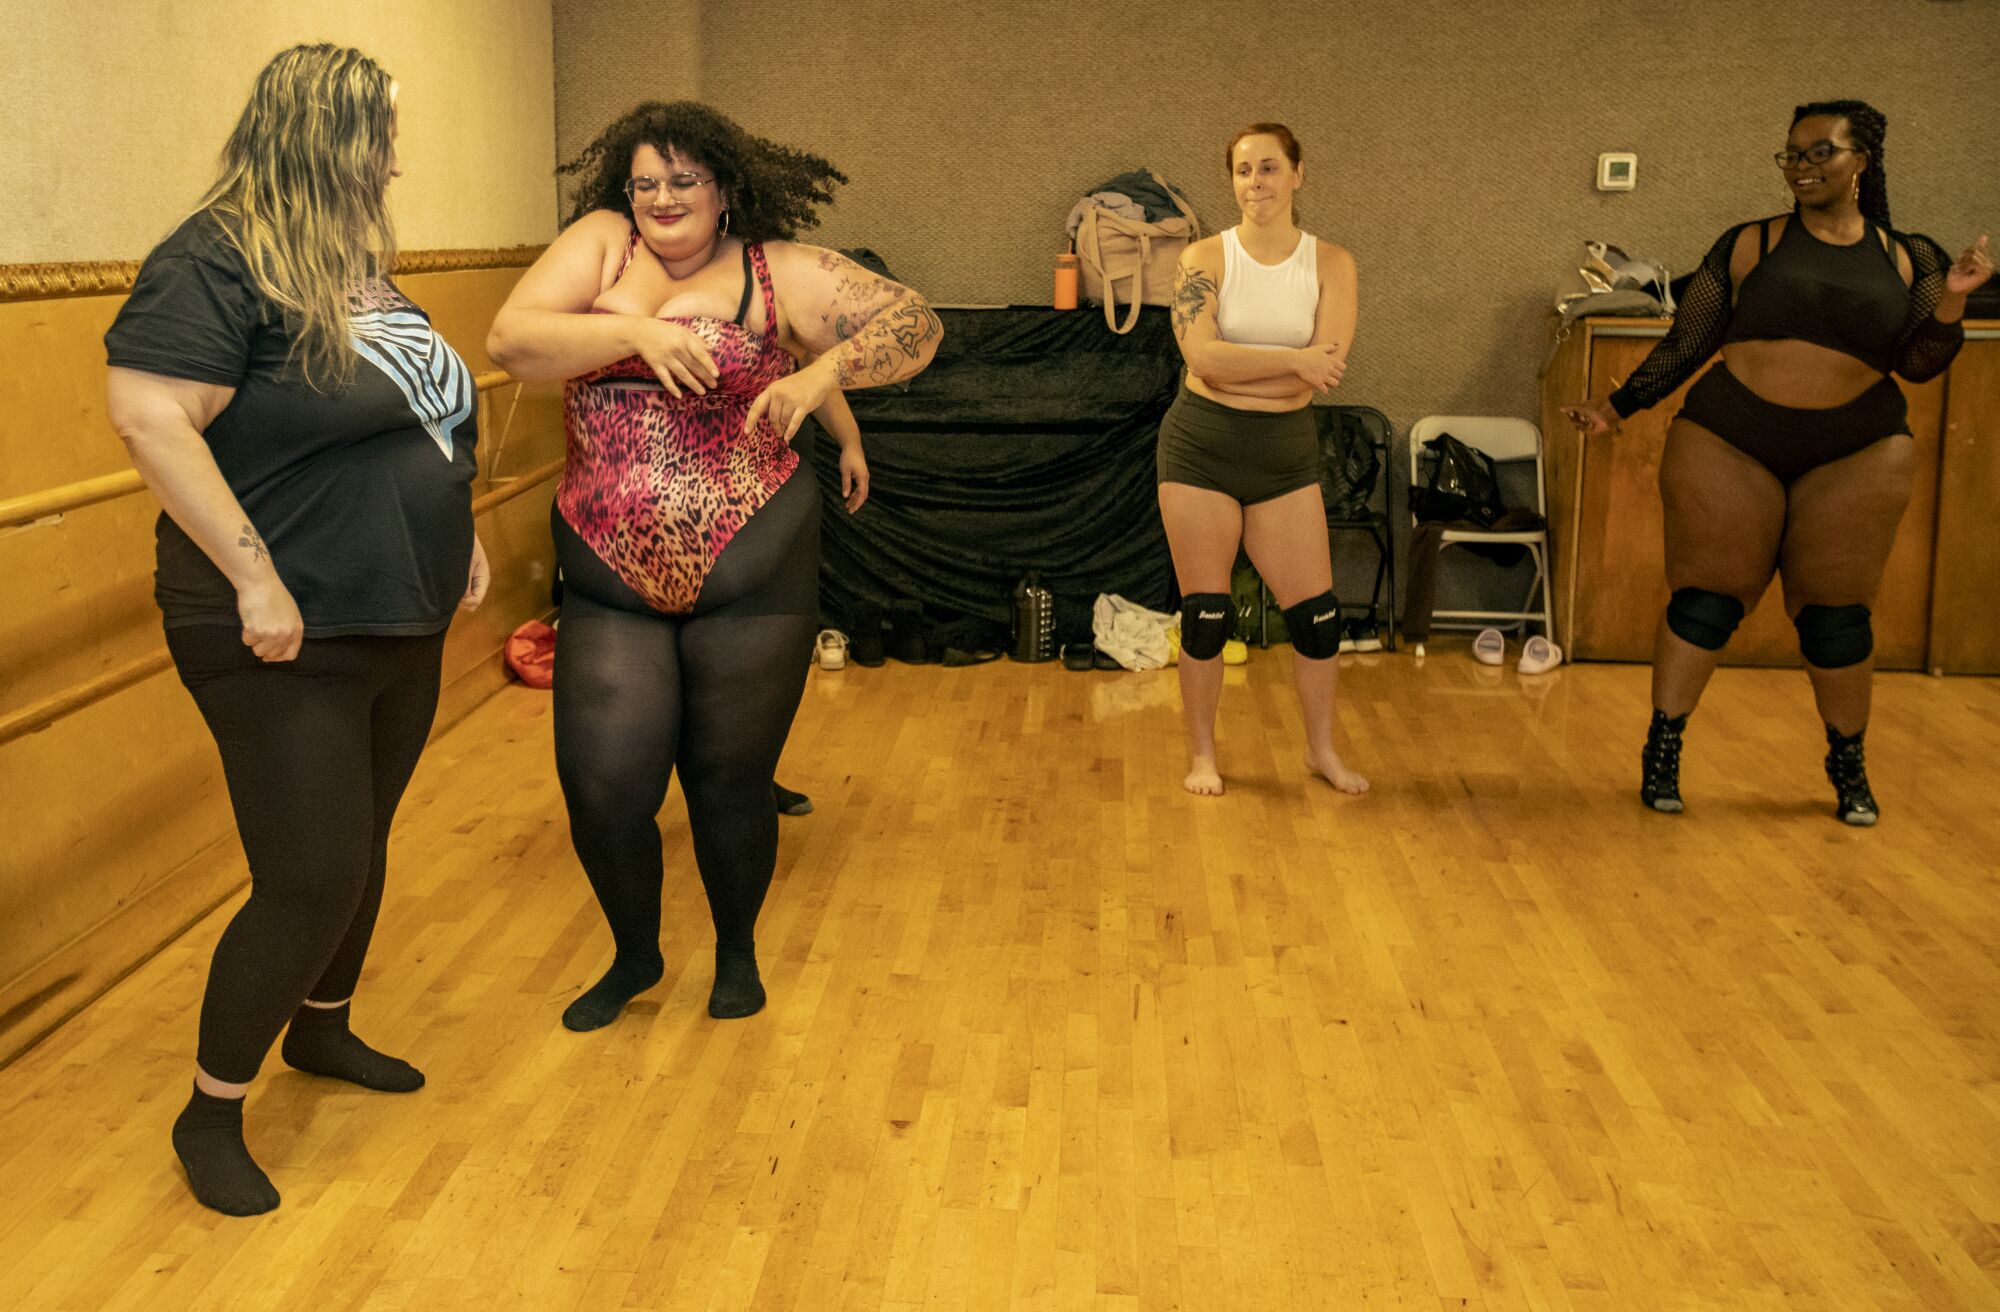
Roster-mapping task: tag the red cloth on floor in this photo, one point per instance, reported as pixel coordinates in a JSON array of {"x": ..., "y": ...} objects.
[{"x": 531, "y": 654}]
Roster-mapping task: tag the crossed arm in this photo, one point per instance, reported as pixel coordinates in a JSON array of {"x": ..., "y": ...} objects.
[{"x": 1257, "y": 371}]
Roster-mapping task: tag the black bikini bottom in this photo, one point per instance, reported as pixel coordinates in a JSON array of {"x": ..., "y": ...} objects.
[{"x": 1786, "y": 440}]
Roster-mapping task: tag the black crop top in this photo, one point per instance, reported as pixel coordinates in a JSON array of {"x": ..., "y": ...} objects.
[
  {"x": 1849, "y": 299},
  {"x": 1806, "y": 290}
]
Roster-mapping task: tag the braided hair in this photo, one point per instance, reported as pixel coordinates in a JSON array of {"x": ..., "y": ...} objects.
[
  {"x": 1868, "y": 126},
  {"x": 774, "y": 191}
]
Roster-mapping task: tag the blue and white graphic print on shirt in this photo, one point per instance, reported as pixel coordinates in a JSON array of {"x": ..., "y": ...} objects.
[{"x": 403, "y": 345}]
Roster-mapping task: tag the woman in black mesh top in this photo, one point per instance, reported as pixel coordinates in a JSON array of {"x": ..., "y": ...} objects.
[{"x": 1793, "y": 453}]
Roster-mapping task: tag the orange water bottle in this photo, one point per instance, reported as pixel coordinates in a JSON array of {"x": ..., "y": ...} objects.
[{"x": 1065, "y": 298}]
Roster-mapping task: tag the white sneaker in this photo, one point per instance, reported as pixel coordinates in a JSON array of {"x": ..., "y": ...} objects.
[{"x": 830, "y": 649}]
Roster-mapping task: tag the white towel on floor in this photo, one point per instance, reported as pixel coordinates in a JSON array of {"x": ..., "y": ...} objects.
[{"x": 1129, "y": 633}]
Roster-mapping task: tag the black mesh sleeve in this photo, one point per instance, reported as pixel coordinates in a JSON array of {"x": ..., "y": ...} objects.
[
  {"x": 1701, "y": 319},
  {"x": 1926, "y": 346}
]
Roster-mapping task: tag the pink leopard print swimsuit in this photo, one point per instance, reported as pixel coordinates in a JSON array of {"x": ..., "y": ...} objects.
[{"x": 658, "y": 485}]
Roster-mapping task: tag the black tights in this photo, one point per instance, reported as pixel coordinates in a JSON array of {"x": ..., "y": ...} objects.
[
  {"x": 317, "y": 752},
  {"x": 639, "y": 694}
]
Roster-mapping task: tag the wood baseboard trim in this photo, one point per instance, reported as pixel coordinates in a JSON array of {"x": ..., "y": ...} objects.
[{"x": 36, "y": 1003}]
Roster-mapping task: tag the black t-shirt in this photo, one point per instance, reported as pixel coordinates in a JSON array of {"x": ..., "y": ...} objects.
[{"x": 362, "y": 493}]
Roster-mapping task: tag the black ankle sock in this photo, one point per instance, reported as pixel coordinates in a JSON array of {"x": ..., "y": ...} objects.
[
  {"x": 208, "y": 1138},
  {"x": 789, "y": 802},
  {"x": 600, "y": 1004},
  {"x": 319, "y": 1042},
  {"x": 738, "y": 990}
]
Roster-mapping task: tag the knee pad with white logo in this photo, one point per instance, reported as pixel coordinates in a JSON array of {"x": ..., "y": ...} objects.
[
  {"x": 1205, "y": 623},
  {"x": 1314, "y": 626}
]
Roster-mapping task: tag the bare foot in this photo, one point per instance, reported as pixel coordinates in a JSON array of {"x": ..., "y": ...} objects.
[
  {"x": 1329, "y": 767},
  {"x": 1203, "y": 780}
]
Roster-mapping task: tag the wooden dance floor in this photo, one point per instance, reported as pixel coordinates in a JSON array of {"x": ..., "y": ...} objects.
[{"x": 1046, "y": 1032}]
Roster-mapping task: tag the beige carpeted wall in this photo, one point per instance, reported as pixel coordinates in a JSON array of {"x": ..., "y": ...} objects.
[
  {"x": 612, "y": 54},
  {"x": 1451, "y": 145},
  {"x": 112, "y": 114}
]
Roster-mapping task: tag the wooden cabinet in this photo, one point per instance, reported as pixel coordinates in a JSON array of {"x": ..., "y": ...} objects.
[
  {"x": 1605, "y": 519},
  {"x": 1965, "y": 621}
]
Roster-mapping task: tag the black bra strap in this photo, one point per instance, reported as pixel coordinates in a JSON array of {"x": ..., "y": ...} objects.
[{"x": 743, "y": 305}]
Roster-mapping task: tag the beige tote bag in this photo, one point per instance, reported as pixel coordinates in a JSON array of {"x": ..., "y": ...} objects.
[{"x": 1117, "y": 253}]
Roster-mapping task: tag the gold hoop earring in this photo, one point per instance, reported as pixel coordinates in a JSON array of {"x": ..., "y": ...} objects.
[{"x": 723, "y": 231}]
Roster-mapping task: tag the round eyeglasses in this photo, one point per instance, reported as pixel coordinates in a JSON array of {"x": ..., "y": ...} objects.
[{"x": 681, "y": 187}]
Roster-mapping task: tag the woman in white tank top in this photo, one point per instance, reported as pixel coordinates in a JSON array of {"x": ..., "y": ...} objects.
[{"x": 1264, "y": 315}]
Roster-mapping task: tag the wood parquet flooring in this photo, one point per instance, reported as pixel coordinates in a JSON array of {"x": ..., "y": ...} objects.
[{"x": 1046, "y": 1032}]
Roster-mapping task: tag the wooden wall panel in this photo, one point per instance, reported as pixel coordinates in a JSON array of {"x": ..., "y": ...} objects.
[
  {"x": 1965, "y": 623},
  {"x": 118, "y": 828},
  {"x": 1565, "y": 381}
]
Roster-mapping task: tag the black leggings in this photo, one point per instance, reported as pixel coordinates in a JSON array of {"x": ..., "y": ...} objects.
[
  {"x": 317, "y": 752},
  {"x": 712, "y": 693}
]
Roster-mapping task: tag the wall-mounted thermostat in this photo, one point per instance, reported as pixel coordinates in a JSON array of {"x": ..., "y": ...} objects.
[{"x": 1617, "y": 170}]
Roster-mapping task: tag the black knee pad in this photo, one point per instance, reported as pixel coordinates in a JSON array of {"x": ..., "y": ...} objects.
[
  {"x": 1205, "y": 624},
  {"x": 1314, "y": 626},
  {"x": 1834, "y": 637},
  {"x": 1703, "y": 618}
]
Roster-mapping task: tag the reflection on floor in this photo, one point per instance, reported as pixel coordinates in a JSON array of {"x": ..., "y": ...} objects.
[{"x": 1047, "y": 1032}]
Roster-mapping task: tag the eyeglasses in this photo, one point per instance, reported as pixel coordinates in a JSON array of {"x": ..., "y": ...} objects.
[
  {"x": 681, "y": 187},
  {"x": 1817, "y": 153}
]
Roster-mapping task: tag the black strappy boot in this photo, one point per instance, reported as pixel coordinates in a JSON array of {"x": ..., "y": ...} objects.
[
  {"x": 1660, "y": 780},
  {"x": 1848, "y": 773}
]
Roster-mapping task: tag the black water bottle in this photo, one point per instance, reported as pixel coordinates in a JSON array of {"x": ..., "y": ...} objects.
[{"x": 1034, "y": 621}]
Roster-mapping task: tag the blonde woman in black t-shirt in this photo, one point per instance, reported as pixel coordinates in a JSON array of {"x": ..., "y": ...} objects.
[{"x": 311, "y": 439}]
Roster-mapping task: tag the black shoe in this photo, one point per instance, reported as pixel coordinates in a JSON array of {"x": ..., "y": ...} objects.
[
  {"x": 1660, "y": 780},
  {"x": 906, "y": 632},
  {"x": 789, "y": 802},
  {"x": 1848, "y": 773},
  {"x": 864, "y": 636}
]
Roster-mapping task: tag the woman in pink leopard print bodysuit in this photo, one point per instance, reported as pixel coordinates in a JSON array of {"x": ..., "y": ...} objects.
[{"x": 678, "y": 310}]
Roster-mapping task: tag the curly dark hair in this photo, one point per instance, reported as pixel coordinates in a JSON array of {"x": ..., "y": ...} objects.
[
  {"x": 1868, "y": 126},
  {"x": 773, "y": 191}
]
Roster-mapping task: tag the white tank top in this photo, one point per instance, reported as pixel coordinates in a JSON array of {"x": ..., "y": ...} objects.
[{"x": 1268, "y": 304}]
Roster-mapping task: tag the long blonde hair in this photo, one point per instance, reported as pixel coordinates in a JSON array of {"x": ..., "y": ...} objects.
[{"x": 303, "y": 195}]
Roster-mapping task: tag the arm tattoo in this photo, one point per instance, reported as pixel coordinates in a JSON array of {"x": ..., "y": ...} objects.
[
  {"x": 883, "y": 326},
  {"x": 1193, "y": 290},
  {"x": 889, "y": 345},
  {"x": 258, "y": 552}
]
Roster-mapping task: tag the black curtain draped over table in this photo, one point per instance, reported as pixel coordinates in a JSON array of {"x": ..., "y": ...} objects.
[{"x": 1026, "y": 447}]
